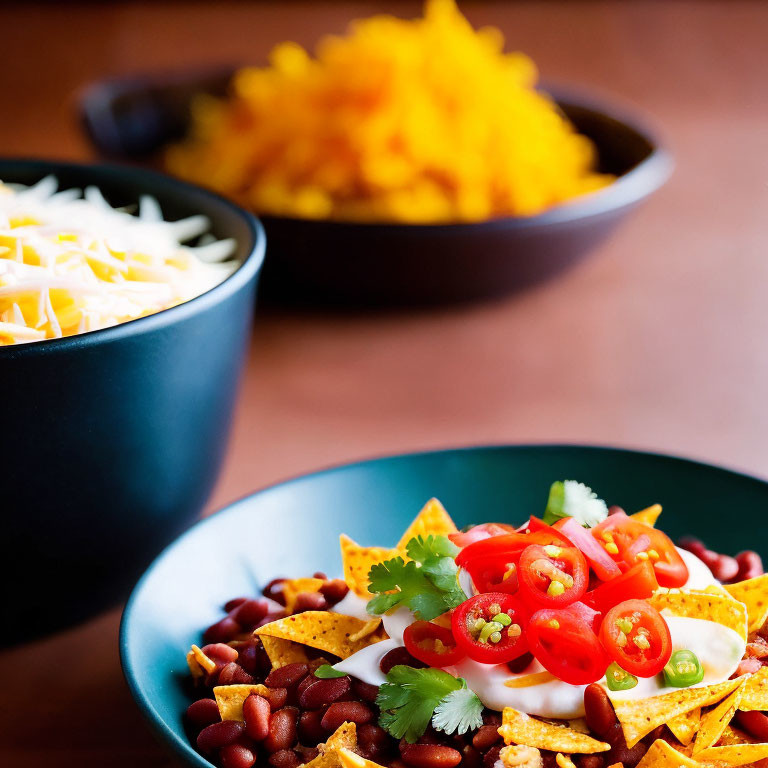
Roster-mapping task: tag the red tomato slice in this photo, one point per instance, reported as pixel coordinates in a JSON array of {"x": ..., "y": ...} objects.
[
  {"x": 632, "y": 539},
  {"x": 566, "y": 646},
  {"x": 432, "y": 644},
  {"x": 552, "y": 576},
  {"x": 599, "y": 559},
  {"x": 505, "y": 642},
  {"x": 480, "y": 532},
  {"x": 496, "y": 577},
  {"x": 638, "y": 582},
  {"x": 637, "y": 638}
]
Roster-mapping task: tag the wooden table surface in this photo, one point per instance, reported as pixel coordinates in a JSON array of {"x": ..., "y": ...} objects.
[{"x": 659, "y": 341}]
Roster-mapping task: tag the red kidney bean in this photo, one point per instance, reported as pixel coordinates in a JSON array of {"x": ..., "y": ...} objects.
[
  {"x": 334, "y": 591},
  {"x": 270, "y": 617},
  {"x": 219, "y": 735},
  {"x": 274, "y": 591},
  {"x": 252, "y": 657},
  {"x": 599, "y": 711},
  {"x": 693, "y": 545},
  {"x": 220, "y": 653},
  {"x": 250, "y": 613},
  {"x": 520, "y": 664},
  {"x": 276, "y": 697},
  {"x": 310, "y": 601},
  {"x": 548, "y": 759},
  {"x": 308, "y": 753},
  {"x": 203, "y": 712},
  {"x": 709, "y": 558},
  {"x": 346, "y": 712},
  {"x": 233, "y": 673},
  {"x": 725, "y": 568},
  {"x": 491, "y": 756},
  {"x": 287, "y": 676},
  {"x": 282, "y": 729},
  {"x": 371, "y": 736},
  {"x": 236, "y": 756},
  {"x": 588, "y": 761},
  {"x": 429, "y": 755},
  {"x": 750, "y": 565},
  {"x": 491, "y": 718},
  {"x": 319, "y": 575},
  {"x": 232, "y": 604},
  {"x": 470, "y": 757},
  {"x": 222, "y": 631},
  {"x": 398, "y": 656},
  {"x": 284, "y": 758},
  {"x": 485, "y": 737},
  {"x": 305, "y": 683},
  {"x": 324, "y": 692},
  {"x": 615, "y": 510},
  {"x": 311, "y": 731},
  {"x": 365, "y": 691},
  {"x": 256, "y": 712},
  {"x": 754, "y": 723},
  {"x": 620, "y": 752}
]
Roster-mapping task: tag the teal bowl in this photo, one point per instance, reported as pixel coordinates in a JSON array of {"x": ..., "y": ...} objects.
[{"x": 293, "y": 528}]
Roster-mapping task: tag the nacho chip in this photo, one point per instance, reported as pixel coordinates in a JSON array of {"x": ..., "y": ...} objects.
[
  {"x": 282, "y": 652},
  {"x": 649, "y": 515},
  {"x": 326, "y": 631},
  {"x": 292, "y": 588},
  {"x": 564, "y": 761},
  {"x": 433, "y": 519},
  {"x": 713, "y": 723},
  {"x": 199, "y": 664},
  {"x": 357, "y": 562},
  {"x": 663, "y": 755},
  {"x": 519, "y": 728},
  {"x": 230, "y": 699},
  {"x": 684, "y": 726},
  {"x": 754, "y": 594},
  {"x": 734, "y": 754},
  {"x": 702, "y": 605},
  {"x": 638, "y": 717},
  {"x": 344, "y": 737},
  {"x": 367, "y": 629},
  {"x": 350, "y": 759},
  {"x": 755, "y": 694}
]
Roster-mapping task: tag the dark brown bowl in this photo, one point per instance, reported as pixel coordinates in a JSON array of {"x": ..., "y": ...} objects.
[{"x": 356, "y": 264}]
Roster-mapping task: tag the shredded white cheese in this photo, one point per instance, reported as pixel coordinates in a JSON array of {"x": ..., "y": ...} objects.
[{"x": 71, "y": 263}]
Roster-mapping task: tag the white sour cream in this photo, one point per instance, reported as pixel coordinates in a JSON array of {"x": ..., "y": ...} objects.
[
  {"x": 352, "y": 605},
  {"x": 365, "y": 663},
  {"x": 699, "y": 575}
]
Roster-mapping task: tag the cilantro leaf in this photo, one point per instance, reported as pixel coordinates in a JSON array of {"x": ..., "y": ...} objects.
[
  {"x": 427, "y": 583},
  {"x": 460, "y": 711},
  {"x": 569, "y": 498},
  {"x": 409, "y": 698}
]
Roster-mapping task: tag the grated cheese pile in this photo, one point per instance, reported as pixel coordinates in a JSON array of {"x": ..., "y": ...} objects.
[
  {"x": 419, "y": 121},
  {"x": 70, "y": 263}
]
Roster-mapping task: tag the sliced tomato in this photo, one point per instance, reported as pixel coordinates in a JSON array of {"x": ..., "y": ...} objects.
[
  {"x": 600, "y": 561},
  {"x": 565, "y": 645},
  {"x": 480, "y": 532},
  {"x": 552, "y": 576},
  {"x": 498, "y": 576},
  {"x": 484, "y": 638},
  {"x": 432, "y": 644},
  {"x": 637, "y": 638},
  {"x": 539, "y": 527},
  {"x": 638, "y": 582},
  {"x": 635, "y": 541}
]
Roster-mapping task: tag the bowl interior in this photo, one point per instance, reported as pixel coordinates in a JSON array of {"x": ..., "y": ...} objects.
[{"x": 292, "y": 529}]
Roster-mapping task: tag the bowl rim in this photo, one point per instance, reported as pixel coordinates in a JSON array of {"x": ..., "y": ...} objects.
[
  {"x": 628, "y": 189},
  {"x": 183, "y": 747},
  {"x": 245, "y": 272}
]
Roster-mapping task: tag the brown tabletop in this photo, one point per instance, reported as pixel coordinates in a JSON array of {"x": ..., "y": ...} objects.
[{"x": 658, "y": 341}]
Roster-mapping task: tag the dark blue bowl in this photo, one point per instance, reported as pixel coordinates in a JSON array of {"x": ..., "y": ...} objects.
[
  {"x": 361, "y": 265},
  {"x": 114, "y": 438},
  {"x": 292, "y": 529}
]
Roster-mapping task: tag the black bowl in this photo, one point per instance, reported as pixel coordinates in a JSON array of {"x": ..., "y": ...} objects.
[
  {"x": 345, "y": 263},
  {"x": 114, "y": 438}
]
